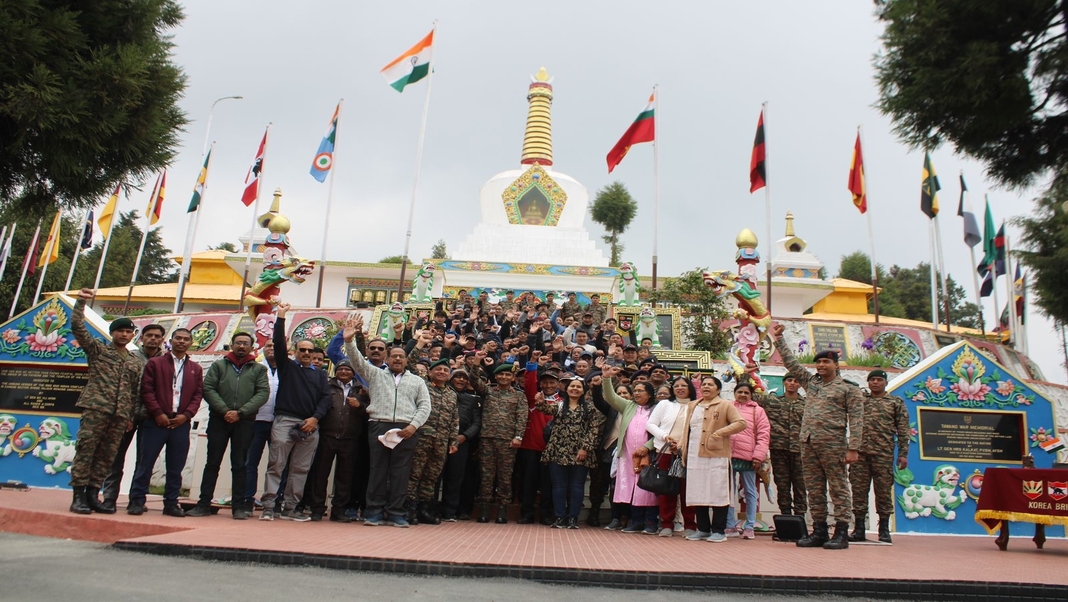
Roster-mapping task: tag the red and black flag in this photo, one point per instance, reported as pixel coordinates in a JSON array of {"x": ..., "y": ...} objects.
[{"x": 758, "y": 177}]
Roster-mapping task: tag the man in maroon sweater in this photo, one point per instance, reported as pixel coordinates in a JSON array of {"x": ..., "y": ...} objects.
[
  {"x": 171, "y": 389},
  {"x": 534, "y": 474}
]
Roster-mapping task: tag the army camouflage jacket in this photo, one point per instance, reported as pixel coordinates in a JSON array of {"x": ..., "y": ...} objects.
[
  {"x": 114, "y": 384},
  {"x": 444, "y": 420},
  {"x": 504, "y": 414},
  {"x": 599, "y": 311},
  {"x": 785, "y": 415},
  {"x": 829, "y": 408},
  {"x": 883, "y": 418},
  {"x": 571, "y": 308}
]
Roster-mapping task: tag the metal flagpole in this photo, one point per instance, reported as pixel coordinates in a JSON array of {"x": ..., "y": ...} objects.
[
  {"x": 871, "y": 233},
  {"x": 942, "y": 270},
  {"x": 978, "y": 297},
  {"x": 104, "y": 250},
  {"x": 144, "y": 239},
  {"x": 255, "y": 214},
  {"x": 656, "y": 181},
  {"x": 1010, "y": 285},
  {"x": 77, "y": 251},
  {"x": 5, "y": 249},
  {"x": 994, "y": 289},
  {"x": 25, "y": 268},
  {"x": 934, "y": 285},
  {"x": 415, "y": 184},
  {"x": 52, "y": 242},
  {"x": 3, "y": 244},
  {"x": 190, "y": 236},
  {"x": 329, "y": 202},
  {"x": 767, "y": 204}
]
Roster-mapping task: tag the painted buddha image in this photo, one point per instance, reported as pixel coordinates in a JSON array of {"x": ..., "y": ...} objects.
[{"x": 533, "y": 207}]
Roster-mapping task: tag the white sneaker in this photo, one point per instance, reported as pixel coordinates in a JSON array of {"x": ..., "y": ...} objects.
[
  {"x": 698, "y": 536},
  {"x": 732, "y": 532},
  {"x": 717, "y": 538},
  {"x": 665, "y": 532}
]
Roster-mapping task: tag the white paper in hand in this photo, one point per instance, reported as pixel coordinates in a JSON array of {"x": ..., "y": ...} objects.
[{"x": 390, "y": 438}]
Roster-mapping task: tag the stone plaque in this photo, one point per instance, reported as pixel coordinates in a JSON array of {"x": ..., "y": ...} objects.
[
  {"x": 40, "y": 390},
  {"x": 972, "y": 436},
  {"x": 826, "y": 337}
]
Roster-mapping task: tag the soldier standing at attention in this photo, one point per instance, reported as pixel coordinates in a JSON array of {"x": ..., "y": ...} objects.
[
  {"x": 111, "y": 394},
  {"x": 571, "y": 308},
  {"x": 785, "y": 412},
  {"x": 438, "y": 437},
  {"x": 826, "y": 448},
  {"x": 884, "y": 416},
  {"x": 504, "y": 420}
]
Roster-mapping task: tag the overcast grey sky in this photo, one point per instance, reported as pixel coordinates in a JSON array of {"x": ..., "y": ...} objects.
[{"x": 714, "y": 61}]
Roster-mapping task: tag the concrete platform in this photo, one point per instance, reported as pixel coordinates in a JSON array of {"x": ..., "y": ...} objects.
[{"x": 915, "y": 567}]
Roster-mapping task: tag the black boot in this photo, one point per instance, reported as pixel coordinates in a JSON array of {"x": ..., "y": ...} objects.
[
  {"x": 816, "y": 539},
  {"x": 109, "y": 506},
  {"x": 412, "y": 514},
  {"x": 884, "y": 530},
  {"x": 93, "y": 501},
  {"x": 858, "y": 531},
  {"x": 840, "y": 541},
  {"x": 502, "y": 514},
  {"x": 483, "y": 515},
  {"x": 426, "y": 514},
  {"x": 78, "y": 505}
]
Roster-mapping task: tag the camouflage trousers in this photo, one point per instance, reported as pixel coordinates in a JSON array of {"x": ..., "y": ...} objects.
[
  {"x": 824, "y": 468},
  {"x": 99, "y": 436},
  {"x": 496, "y": 459},
  {"x": 428, "y": 461},
  {"x": 789, "y": 480},
  {"x": 870, "y": 469}
]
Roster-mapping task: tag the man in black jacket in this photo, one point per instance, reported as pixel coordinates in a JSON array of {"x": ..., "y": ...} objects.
[
  {"x": 469, "y": 394},
  {"x": 338, "y": 433},
  {"x": 303, "y": 400}
]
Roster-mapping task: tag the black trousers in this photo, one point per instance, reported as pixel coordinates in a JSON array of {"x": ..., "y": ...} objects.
[
  {"x": 387, "y": 485},
  {"x": 533, "y": 476},
  {"x": 109, "y": 490},
  {"x": 452, "y": 478},
  {"x": 361, "y": 469},
  {"x": 718, "y": 523},
  {"x": 600, "y": 483},
  {"x": 239, "y": 436},
  {"x": 329, "y": 450}
]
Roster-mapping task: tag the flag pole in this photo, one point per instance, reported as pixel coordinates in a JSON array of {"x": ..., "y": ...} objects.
[
  {"x": 656, "y": 182},
  {"x": 25, "y": 268},
  {"x": 942, "y": 270},
  {"x": 994, "y": 287},
  {"x": 978, "y": 297},
  {"x": 3, "y": 245},
  {"x": 329, "y": 202},
  {"x": 144, "y": 238},
  {"x": 52, "y": 242},
  {"x": 190, "y": 235},
  {"x": 415, "y": 183},
  {"x": 934, "y": 282},
  {"x": 871, "y": 234},
  {"x": 104, "y": 250},
  {"x": 5, "y": 249},
  {"x": 255, "y": 213},
  {"x": 767, "y": 204},
  {"x": 77, "y": 251},
  {"x": 1010, "y": 285}
]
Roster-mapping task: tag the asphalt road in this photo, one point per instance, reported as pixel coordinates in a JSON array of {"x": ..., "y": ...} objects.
[{"x": 40, "y": 568}]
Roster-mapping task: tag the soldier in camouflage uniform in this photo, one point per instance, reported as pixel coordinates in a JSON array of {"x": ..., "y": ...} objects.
[
  {"x": 504, "y": 420},
  {"x": 438, "y": 438},
  {"x": 785, "y": 413},
  {"x": 832, "y": 406},
  {"x": 108, "y": 401},
  {"x": 599, "y": 311},
  {"x": 884, "y": 416},
  {"x": 571, "y": 308},
  {"x": 508, "y": 303}
]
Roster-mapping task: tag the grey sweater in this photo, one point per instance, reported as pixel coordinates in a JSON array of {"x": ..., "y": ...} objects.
[{"x": 407, "y": 401}]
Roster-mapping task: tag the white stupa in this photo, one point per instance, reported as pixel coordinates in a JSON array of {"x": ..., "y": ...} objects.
[{"x": 534, "y": 214}]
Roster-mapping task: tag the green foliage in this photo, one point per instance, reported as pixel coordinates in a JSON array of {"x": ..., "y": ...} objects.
[
  {"x": 1045, "y": 249},
  {"x": 614, "y": 209},
  {"x": 990, "y": 78},
  {"x": 438, "y": 251},
  {"x": 144, "y": 311},
  {"x": 88, "y": 98},
  {"x": 229, "y": 247},
  {"x": 871, "y": 359},
  {"x": 702, "y": 311},
  {"x": 398, "y": 259}
]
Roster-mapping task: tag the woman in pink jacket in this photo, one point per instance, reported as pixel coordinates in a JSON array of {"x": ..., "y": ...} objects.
[{"x": 749, "y": 449}]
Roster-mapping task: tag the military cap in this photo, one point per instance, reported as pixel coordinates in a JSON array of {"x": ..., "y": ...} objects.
[
  {"x": 504, "y": 368},
  {"x": 880, "y": 373},
  {"x": 828, "y": 354},
  {"x": 441, "y": 362},
  {"x": 121, "y": 323}
]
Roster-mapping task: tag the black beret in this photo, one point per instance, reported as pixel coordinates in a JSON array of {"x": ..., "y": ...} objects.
[{"x": 828, "y": 354}]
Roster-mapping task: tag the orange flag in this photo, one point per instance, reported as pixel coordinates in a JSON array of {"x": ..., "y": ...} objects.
[{"x": 856, "y": 179}]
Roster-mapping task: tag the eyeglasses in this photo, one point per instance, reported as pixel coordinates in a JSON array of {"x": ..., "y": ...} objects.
[
  {"x": 304, "y": 350},
  {"x": 376, "y": 348},
  {"x": 240, "y": 344}
]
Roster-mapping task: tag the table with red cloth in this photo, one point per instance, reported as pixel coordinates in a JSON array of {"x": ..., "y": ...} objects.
[{"x": 1032, "y": 495}]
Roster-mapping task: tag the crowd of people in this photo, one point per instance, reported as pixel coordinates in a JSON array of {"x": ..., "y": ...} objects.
[{"x": 456, "y": 414}]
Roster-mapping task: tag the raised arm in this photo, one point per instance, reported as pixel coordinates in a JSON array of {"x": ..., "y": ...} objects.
[{"x": 803, "y": 376}]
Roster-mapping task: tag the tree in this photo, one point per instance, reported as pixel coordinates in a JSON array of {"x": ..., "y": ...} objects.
[
  {"x": 614, "y": 209},
  {"x": 1045, "y": 238},
  {"x": 88, "y": 98},
  {"x": 55, "y": 277},
  {"x": 157, "y": 267},
  {"x": 229, "y": 247},
  {"x": 392, "y": 259},
  {"x": 991, "y": 78},
  {"x": 438, "y": 250},
  {"x": 702, "y": 311}
]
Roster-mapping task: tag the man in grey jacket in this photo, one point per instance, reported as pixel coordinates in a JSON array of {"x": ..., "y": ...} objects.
[{"x": 401, "y": 401}]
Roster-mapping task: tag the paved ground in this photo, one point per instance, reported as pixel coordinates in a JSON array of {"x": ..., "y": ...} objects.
[{"x": 55, "y": 569}]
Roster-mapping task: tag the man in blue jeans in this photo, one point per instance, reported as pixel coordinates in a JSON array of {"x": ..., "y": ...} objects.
[{"x": 261, "y": 429}]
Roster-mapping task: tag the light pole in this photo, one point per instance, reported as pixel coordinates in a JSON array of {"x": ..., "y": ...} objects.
[{"x": 187, "y": 260}]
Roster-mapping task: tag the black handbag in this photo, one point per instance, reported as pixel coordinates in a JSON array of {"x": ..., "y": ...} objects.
[
  {"x": 657, "y": 480},
  {"x": 547, "y": 430}
]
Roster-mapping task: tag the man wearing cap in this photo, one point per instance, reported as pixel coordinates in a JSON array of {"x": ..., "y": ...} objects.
[
  {"x": 832, "y": 433},
  {"x": 658, "y": 375},
  {"x": 458, "y": 480},
  {"x": 108, "y": 401},
  {"x": 339, "y": 431},
  {"x": 571, "y": 307},
  {"x": 235, "y": 387},
  {"x": 534, "y": 474},
  {"x": 438, "y": 437},
  {"x": 784, "y": 413},
  {"x": 630, "y": 355},
  {"x": 508, "y": 303},
  {"x": 504, "y": 423},
  {"x": 884, "y": 416},
  {"x": 598, "y": 311}
]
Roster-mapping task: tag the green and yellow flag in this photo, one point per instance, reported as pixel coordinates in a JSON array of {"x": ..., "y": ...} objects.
[
  {"x": 929, "y": 189},
  {"x": 202, "y": 179}
]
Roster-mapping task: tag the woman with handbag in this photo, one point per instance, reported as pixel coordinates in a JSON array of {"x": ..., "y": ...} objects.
[
  {"x": 667, "y": 425},
  {"x": 706, "y": 453},
  {"x": 634, "y": 407},
  {"x": 571, "y": 450},
  {"x": 749, "y": 449}
]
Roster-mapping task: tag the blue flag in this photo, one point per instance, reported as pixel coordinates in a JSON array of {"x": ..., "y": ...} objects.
[{"x": 324, "y": 157}]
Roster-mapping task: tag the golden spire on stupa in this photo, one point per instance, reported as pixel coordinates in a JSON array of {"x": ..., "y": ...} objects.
[{"x": 538, "y": 138}]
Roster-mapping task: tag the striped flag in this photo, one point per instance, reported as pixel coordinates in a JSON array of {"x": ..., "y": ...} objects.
[
  {"x": 252, "y": 178},
  {"x": 51, "y": 246},
  {"x": 155, "y": 203},
  {"x": 758, "y": 173},
  {"x": 929, "y": 188},
  {"x": 642, "y": 130},
  {"x": 198, "y": 189},
  {"x": 109, "y": 213},
  {"x": 411, "y": 66},
  {"x": 324, "y": 157},
  {"x": 856, "y": 183}
]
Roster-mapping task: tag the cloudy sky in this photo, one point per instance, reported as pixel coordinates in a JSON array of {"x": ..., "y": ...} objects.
[{"x": 715, "y": 62}]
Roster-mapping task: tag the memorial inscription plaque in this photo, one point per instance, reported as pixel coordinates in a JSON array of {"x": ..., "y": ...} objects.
[
  {"x": 972, "y": 436},
  {"x": 826, "y": 337},
  {"x": 40, "y": 390}
]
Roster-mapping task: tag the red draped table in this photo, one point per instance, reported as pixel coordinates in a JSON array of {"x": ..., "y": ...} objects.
[{"x": 1031, "y": 495}]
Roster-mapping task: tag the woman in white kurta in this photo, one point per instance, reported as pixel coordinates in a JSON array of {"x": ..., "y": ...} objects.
[{"x": 634, "y": 407}]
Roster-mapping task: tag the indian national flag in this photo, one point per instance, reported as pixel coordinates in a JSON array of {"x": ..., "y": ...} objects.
[
  {"x": 411, "y": 66},
  {"x": 642, "y": 130}
]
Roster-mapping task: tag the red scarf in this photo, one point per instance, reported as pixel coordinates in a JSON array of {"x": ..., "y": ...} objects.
[{"x": 239, "y": 363}]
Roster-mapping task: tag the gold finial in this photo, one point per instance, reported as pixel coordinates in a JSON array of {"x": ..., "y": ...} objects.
[
  {"x": 538, "y": 138},
  {"x": 273, "y": 220},
  {"x": 747, "y": 239},
  {"x": 790, "y": 223}
]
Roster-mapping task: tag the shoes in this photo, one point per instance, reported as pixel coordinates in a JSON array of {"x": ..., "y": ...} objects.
[
  {"x": 732, "y": 531},
  {"x": 717, "y": 538},
  {"x": 109, "y": 506},
  {"x": 748, "y": 534},
  {"x": 483, "y": 515},
  {"x": 374, "y": 520},
  {"x": 698, "y": 536},
  {"x": 502, "y": 514},
  {"x": 633, "y": 527},
  {"x": 426, "y": 515},
  {"x": 593, "y": 520},
  {"x": 615, "y": 525},
  {"x": 175, "y": 511},
  {"x": 268, "y": 514},
  {"x": 546, "y": 520},
  {"x": 92, "y": 499},
  {"x": 316, "y": 516},
  {"x": 78, "y": 505},
  {"x": 238, "y": 513},
  {"x": 399, "y": 521},
  {"x": 526, "y": 520},
  {"x": 678, "y": 527},
  {"x": 448, "y": 516},
  {"x": 651, "y": 530},
  {"x": 884, "y": 530},
  {"x": 665, "y": 532},
  {"x": 339, "y": 516},
  {"x": 294, "y": 515},
  {"x": 572, "y": 522},
  {"x": 257, "y": 504},
  {"x": 840, "y": 541},
  {"x": 198, "y": 511},
  {"x": 560, "y": 523},
  {"x": 688, "y": 532},
  {"x": 816, "y": 539}
]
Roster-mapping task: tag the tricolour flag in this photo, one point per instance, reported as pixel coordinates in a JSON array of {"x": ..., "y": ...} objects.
[
  {"x": 929, "y": 188},
  {"x": 109, "y": 213},
  {"x": 155, "y": 203},
  {"x": 642, "y": 130},
  {"x": 29, "y": 261},
  {"x": 324, "y": 157},
  {"x": 758, "y": 174},
  {"x": 411, "y": 66},
  {"x": 51, "y": 245},
  {"x": 198, "y": 189},
  {"x": 252, "y": 178},
  {"x": 972, "y": 236},
  {"x": 856, "y": 184},
  {"x": 87, "y": 231}
]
